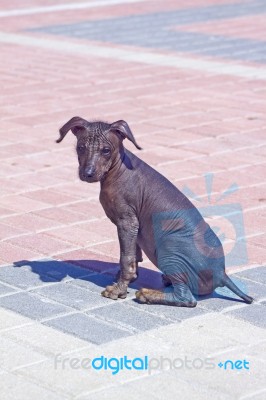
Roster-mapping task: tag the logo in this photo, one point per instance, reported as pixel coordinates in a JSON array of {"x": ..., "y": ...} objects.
[
  {"x": 226, "y": 220},
  {"x": 125, "y": 363},
  {"x": 234, "y": 365},
  {"x": 117, "y": 364}
]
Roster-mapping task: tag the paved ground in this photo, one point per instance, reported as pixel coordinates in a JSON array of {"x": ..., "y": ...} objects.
[{"x": 189, "y": 78}]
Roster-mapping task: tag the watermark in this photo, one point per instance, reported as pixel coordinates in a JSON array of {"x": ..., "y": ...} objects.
[
  {"x": 226, "y": 220},
  {"x": 125, "y": 363},
  {"x": 165, "y": 363},
  {"x": 234, "y": 365},
  {"x": 117, "y": 364},
  {"x": 113, "y": 364}
]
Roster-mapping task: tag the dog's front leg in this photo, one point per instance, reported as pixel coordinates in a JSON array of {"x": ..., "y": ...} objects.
[
  {"x": 139, "y": 258},
  {"x": 127, "y": 229}
]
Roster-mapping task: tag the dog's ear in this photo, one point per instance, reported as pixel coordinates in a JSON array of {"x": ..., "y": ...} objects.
[
  {"x": 123, "y": 129},
  {"x": 76, "y": 124}
]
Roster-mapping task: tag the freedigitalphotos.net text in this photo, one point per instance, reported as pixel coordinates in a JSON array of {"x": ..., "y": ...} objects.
[{"x": 116, "y": 364}]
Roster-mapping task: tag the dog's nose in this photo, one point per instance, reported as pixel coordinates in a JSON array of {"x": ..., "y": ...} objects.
[{"x": 89, "y": 172}]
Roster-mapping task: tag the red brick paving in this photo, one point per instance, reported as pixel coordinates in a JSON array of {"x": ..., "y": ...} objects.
[
  {"x": 188, "y": 122},
  {"x": 7, "y": 232},
  {"x": 40, "y": 242},
  {"x": 89, "y": 259},
  {"x": 10, "y": 253},
  {"x": 32, "y": 222}
]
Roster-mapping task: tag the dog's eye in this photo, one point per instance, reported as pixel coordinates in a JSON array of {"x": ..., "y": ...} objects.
[
  {"x": 106, "y": 151},
  {"x": 81, "y": 148}
]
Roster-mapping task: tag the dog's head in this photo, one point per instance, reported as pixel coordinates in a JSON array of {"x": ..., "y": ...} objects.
[{"x": 99, "y": 145}]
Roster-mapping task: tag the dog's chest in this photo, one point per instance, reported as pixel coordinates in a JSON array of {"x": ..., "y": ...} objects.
[{"x": 112, "y": 204}]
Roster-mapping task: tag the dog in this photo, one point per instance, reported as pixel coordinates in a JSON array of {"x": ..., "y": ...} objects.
[{"x": 152, "y": 215}]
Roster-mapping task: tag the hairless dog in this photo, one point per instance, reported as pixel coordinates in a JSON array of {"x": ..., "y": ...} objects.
[{"x": 152, "y": 215}]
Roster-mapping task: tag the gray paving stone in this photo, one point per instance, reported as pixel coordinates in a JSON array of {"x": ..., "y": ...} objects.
[
  {"x": 254, "y": 274},
  {"x": 32, "y": 306},
  {"x": 72, "y": 296},
  {"x": 4, "y": 289},
  {"x": 10, "y": 320},
  {"x": 96, "y": 282},
  {"x": 87, "y": 328},
  {"x": 256, "y": 396},
  {"x": 16, "y": 355},
  {"x": 55, "y": 341},
  {"x": 29, "y": 274},
  {"x": 65, "y": 380},
  {"x": 254, "y": 289},
  {"x": 157, "y": 387},
  {"x": 120, "y": 314},
  {"x": 253, "y": 313},
  {"x": 218, "y": 304},
  {"x": 258, "y": 350},
  {"x": 59, "y": 270},
  {"x": 22, "y": 277},
  {"x": 19, "y": 388},
  {"x": 223, "y": 298}
]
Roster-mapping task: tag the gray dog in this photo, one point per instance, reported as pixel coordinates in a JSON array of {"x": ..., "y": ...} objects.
[{"x": 152, "y": 215}]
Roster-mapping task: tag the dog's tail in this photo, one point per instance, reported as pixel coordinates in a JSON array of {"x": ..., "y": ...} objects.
[{"x": 230, "y": 284}]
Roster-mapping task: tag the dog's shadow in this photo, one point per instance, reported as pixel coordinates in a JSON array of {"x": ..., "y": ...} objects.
[{"x": 100, "y": 274}]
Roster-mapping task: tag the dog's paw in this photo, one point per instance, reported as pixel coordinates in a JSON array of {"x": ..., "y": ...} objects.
[
  {"x": 114, "y": 292},
  {"x": 149, "y": 296},
  {"x": 140, "y": 296}
]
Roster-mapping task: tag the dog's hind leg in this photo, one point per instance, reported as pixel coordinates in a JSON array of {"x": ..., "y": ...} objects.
[{"x": 180, "y": 297}]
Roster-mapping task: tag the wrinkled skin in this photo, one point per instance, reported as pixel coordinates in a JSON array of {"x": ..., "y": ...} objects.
[{"x": 152, "y": 215}]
